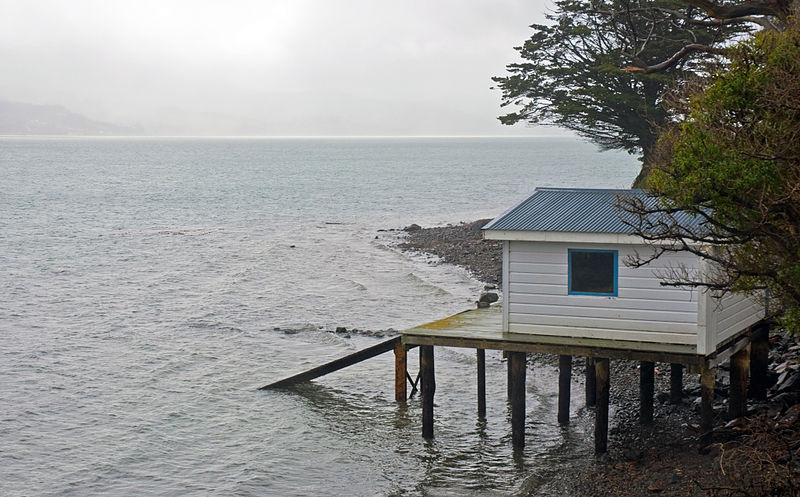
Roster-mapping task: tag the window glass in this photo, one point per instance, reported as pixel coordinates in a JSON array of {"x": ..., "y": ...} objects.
[{"x": 593, "y": 272}]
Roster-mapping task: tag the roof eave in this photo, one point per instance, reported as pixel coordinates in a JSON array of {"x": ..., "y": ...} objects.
[{"x": 568, "y": 237}]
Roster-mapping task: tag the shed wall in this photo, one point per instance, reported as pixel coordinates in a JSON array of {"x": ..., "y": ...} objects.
[
  {"x": 733, "y": 313},
  {"x": 644, "y": 310}
]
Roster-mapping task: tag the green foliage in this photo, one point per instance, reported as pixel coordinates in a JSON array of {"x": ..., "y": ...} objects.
[
  {"x": 574, "y": 71},
  {"x": 736, "y": 161}
]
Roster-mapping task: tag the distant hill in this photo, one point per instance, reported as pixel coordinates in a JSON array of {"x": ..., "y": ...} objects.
[{"x": 28, "y": 119}]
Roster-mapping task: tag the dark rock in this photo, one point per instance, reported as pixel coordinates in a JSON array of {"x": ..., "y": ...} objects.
[
  {"x": 785, "y": 399},
  {"x": 791, "y": 416},
  {"x": 341, "y": 329},
  {"x": 788, "y": 381},
  {"x": 412, "y": 228},
  {"x": 489, "y": 297},
  {"x": 482, "y": 305}
]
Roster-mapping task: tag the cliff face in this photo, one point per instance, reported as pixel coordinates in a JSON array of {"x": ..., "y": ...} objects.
[{"x": 27, "y": 119}]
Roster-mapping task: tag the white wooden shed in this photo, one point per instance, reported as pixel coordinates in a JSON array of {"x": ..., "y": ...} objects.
[{"x": 565, "y": 279}]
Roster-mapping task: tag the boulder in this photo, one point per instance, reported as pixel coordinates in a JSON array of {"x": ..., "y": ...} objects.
[{"x": 489, "y": 297}]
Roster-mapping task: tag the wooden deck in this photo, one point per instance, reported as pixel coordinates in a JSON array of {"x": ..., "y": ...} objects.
[{"x": 482, "y": 329}]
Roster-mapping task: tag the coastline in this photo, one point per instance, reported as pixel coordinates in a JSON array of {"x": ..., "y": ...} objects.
[{"x": 662, "y": 459}]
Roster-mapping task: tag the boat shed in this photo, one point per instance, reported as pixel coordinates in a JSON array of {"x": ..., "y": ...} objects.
[
  {"x": 565, "y": 277},
  {"x": 569, "y": 290}
]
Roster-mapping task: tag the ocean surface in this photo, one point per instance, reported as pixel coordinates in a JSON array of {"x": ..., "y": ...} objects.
[{"x": 148, "y": 287}]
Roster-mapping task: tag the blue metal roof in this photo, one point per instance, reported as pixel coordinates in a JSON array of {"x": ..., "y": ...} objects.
[{"x": 574, "y": 210}]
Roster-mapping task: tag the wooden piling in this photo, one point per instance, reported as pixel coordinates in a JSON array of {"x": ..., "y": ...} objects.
[
  {"x": 707, "y": 380},
  {"x": 428, "y": 388},
  {"x": 740, "y": 370},
  {"x": 510, "y": 380},
  {"x": 759, "y": 361},
  {"x": 675, "y": 383},
  {"x": 564, "y": 387},
  {"x": 646, "y": 387},
  {"x": 601, "y": 367},
  {"x": 518, "y": 369},
  {"x": 481, "y": 356},
  {"x": 591, "y": 383},
  {"x": 400, "y": 372}
]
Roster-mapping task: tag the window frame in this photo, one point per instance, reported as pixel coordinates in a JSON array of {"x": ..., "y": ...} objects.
[{"x": 615, "y": 253}]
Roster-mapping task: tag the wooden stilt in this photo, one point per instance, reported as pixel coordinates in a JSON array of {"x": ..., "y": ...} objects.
[
  {"x": 759, "y": 361},
  {"x": 675, "y": 383},
  {"x": 428, "y": 388},
  {"x": 400, "y": 372},
  {"x": 481, "y": 355},
  {"x": 740, "y": 370},
  {"x": 601, "y": 366},
  {"x": 564, "y": 386},
  {"x": 510, "y": 382},
  {"x": 707, "y": 380},
  {"x": 518, "y": 369},
  {"x": 591, "y": 383},
  {"x": 646, "y": 386}
]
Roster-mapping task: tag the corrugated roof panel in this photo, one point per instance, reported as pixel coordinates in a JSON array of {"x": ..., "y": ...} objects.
[{"x": 576, "y": 210}]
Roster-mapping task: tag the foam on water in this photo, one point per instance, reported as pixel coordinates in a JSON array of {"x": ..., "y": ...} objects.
[{"x": 150, "y": 286}]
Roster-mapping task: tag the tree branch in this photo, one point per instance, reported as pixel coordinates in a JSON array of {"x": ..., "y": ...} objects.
[{"x": 680, "y": 54}]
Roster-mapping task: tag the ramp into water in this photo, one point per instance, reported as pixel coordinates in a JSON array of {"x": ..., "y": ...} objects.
[{"x": 336, "y": 365}]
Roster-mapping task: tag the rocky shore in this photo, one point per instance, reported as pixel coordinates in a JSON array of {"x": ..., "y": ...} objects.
[
  {"x": 759, "y": 455},
  {"x": 459, "y": 244}
]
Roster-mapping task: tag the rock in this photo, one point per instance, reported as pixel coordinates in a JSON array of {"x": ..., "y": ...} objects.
[
  {"x": 789, "y": 381},
  {"x": 791, "y": 416},
  {"x": 489, "y": 287},
  {"x": 736, "y": 423},
  {"x": 341, "y": 329},
  {"x": 412, "y": 228},
  {"x": 489, "y": 297},
  {"x": 482, "y": 305},
  {"x": 655, "y": 487}
]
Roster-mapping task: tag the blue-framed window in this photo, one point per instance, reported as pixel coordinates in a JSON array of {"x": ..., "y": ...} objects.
[{"x": 592, "y": 272}]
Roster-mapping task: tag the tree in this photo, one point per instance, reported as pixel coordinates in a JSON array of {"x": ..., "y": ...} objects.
[
  {"x": 734, "y": 166},
  {"x": 600, "y": 67}
]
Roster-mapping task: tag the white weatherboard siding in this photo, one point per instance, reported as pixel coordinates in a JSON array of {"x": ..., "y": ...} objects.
[
  {"x": 733, "y": 313},
  {"x": 644, "y": 310}
]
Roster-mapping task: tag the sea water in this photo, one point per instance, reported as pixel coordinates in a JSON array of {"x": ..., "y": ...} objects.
[{"x": 148, "y": 287}]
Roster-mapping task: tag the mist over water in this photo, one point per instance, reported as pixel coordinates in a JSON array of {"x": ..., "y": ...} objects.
[{"x": 150, "y": 286}]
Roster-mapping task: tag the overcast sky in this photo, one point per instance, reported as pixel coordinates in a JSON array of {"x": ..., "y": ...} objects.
[{"x": 268, "y": 67}]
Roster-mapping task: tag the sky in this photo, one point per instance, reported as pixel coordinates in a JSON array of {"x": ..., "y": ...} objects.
[{"x": 267, "y": 67}]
